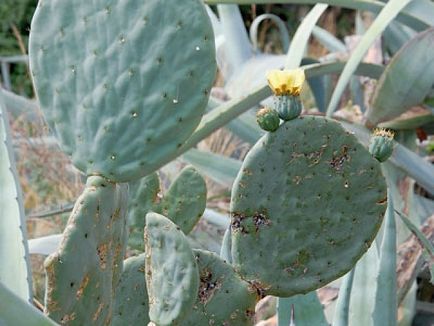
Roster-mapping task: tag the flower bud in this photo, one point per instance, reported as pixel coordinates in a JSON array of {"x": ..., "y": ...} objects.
[
  {"x": 268, "y": 119},
  {"x": 381, "y": 146}
]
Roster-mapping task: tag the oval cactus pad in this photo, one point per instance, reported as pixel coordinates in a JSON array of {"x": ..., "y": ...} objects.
[
  {"x": 172, "y": 276},
  {"x": 122, "y": 84},
  {"x": 316, "y": 218}
]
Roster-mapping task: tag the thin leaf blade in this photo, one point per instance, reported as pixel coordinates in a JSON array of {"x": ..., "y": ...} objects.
[
  {"x": 14, "y": 254},
  {"x": 389, "y": 12},
  {"x": 406, "y": 81}
]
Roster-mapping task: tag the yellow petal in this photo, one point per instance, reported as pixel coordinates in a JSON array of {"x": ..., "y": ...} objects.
[
  {"x": 297, "y": 81},
  {"x": 286, "y": 82}
]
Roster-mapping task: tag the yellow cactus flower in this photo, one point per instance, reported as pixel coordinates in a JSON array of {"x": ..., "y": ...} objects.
[
  {"x": 286, "y": 82},
  {"x": 384, "y": 133}
]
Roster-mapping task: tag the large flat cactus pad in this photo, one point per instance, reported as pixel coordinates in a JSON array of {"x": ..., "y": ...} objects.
[
  {"x": 83, "y": 273},
  {"x": 122, "y": 84},
  {"x": 305, "y": 206}
]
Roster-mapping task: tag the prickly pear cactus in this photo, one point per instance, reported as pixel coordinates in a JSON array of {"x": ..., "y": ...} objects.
[
  {"x": 223, "y": 298},
  {"x": 184, "y": 202},
  {"x": 122, "y": 83},
  {"x": 172, "y": 276},
  {"x": 131, "y": 306},
  {"x": 318, "y": 216},
  {"x": 84, "y": 272}
]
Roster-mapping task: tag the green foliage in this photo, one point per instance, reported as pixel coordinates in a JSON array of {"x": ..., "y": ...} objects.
[{"x": 17, "y": 14}]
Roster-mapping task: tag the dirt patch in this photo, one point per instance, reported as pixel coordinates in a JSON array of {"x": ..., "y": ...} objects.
[
  {"x": 102, "y": 254},
  {"x": 207, "y": 286},
  {"x": 82, "y": 287}
]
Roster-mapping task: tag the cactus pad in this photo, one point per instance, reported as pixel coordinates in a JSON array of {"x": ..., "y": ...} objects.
[
  {"x": 122, "y": 84},
  {"x": 223, "y": 298},
  {"x": 82, "y": 275},
  {"x": 14, "y": 256},
  {"x": 318, "y": 216},
  {"x": 172, "y": 276},
  {"x": 143, "y": 199},
  {"x": 131, "y": 305},
  {"x": 184, "y": 202}
]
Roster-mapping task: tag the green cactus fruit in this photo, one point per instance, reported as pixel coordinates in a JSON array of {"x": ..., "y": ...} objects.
[
  {"x": 131, "y": 306},
  {"x": 316, "y": 219},
  {"x": 172, "y": 276},
  {"x": 288, "y": 107},
  {"x": 143, "y": 199},
  {"x": 184, "y": 202},
  {"x": 122, "y": 84},
  {"x": 83, "y": 273},
  {"x": 223, "y": 297},
  {"x": 381, "y": 145},
  {"x": 268, "y": 119}
]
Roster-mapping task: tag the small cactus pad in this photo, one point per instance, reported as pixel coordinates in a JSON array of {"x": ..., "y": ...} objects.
[
  {"x": 122, "y": 84},
  {"x": 223, "y": 298},
  {"x": 143, "y": 199},
  {"x": 172, "y": 276},
  {"x": 318, "y": 216},
  {"x": 131, "y": 305},
  {"x": 84, "y": 272},
  {"x": 184, "y": 202}
]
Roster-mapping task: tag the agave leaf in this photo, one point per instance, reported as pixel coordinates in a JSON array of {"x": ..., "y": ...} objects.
[
  {"x": 14, "y": 254},
  {"x": 220, "y": 168},
  {"x": 385, "y": 309},
  {"x": 406, "y": 81},
  {"x": 389, "y": 12},
  {"x": 307, "y": 310},
  {"x": 15, "y": 311},
  {"x": 302, "y": 35}
]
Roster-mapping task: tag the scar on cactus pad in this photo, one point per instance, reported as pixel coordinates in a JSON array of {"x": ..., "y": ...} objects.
[
  {"x": 381, "y": 145},
  {"x": 319, "y": 216}
]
